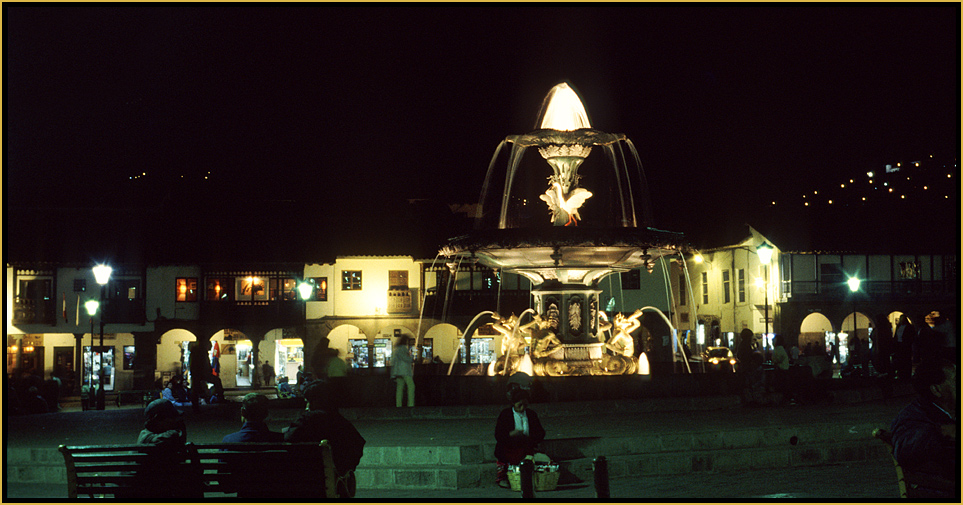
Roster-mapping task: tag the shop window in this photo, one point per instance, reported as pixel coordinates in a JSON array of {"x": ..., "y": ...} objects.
[
  {"x": 351, "y": 280},
  {"x": 218, "y": 289},
  {"x": 382, "y": 352},
  {"x": 186, "y": 289},
  {"x": 94, "y": 358},
  {"x": 481, "y": 350},
  {"x": 725, "y": 286},
  {"x": 129, "y": 355},
  {"x": 632, "y": 279},
  {"x": 426, "y": 352},
  {"x": 359, "y": 353},
  {"x": 320, "y": 289}
]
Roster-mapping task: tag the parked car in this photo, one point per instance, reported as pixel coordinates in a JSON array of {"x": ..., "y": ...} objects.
[{"x": 719, "y": 359}]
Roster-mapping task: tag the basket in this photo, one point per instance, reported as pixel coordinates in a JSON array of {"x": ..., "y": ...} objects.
[{"x": 542, "y": 480}]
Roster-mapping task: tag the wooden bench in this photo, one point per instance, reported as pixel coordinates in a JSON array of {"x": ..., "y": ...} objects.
[
  {"x": 273, "y": 471},
  {"x": 916, "y": 485}
]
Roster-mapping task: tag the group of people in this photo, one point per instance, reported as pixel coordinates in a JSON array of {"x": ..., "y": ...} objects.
[
  {"x": 165, "y": 428},
  {"x": 30, "y": 394}
]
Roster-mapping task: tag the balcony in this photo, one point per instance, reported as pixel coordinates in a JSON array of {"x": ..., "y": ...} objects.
[
  {"x": 399, "y": 301},
  {"x": 467, "y": 304},
  {"x": 124, "y": 311},
  {"x": 228, "y": 312},
  {"x": 883, "y": 290},
  {"x": 33, "y": 311}
]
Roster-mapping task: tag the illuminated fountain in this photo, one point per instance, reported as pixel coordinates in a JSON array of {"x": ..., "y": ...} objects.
[{"x": 585, "y": 234}]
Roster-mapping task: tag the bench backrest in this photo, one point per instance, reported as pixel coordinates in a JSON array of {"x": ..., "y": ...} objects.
[
  {"x": 272, "y": 470},
  {"x": 917, "y": 485}
]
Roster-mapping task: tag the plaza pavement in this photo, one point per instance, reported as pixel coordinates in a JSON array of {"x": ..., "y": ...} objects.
[{"x": 426, "y": 426}]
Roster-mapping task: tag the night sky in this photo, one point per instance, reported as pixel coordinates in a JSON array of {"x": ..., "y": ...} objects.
[{"x": 729, "y": 106}]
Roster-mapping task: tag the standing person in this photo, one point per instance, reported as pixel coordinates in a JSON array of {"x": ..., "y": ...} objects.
[
  {"x": 904, "y": 337},
  {"x": 780, "y": 362},
  {"x": 201, "y": 374},
  {"x": 268, "y": 372},
  {"x": 254, "y": 410},
  {"x": 321, "y": 421},
  {"x": 518, "y": 432},
  {"x": 925, "y": 433},
  {"x": 402, "y": 371}
]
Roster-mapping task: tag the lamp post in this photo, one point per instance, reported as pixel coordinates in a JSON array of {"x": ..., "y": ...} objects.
[
  {"x": 101, "y": 275},
  {"x": 765, "y": 256},
  {"x": 853, "y": 288},
  {"x": 91, "y": 306},
  {"x": 305, "y": 290}
]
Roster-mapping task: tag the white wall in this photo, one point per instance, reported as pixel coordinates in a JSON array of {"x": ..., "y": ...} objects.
[{"x": 161, "y": 292}]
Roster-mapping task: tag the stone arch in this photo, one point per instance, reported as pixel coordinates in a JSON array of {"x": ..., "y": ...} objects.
[
  {"x": 864, "y": 325},
  {"x": 169, "y": 350},
  {"x": 445, "y": 340},
  {"x": 813, "y": 329},
  {"x": 339, "y": 338},
  {"x": 284, "y": 349}
]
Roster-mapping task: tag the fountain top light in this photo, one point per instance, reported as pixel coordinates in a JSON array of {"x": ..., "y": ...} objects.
[
  {"x": 562, "y": 110},
  {"x": 563, "y": 121}
]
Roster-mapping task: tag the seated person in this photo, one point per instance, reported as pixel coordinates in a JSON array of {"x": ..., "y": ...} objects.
[
  {"x": 925, "y": 431},
  {"x": 321, "y": 421},
  {"x": 170, "y": 394},
  {"x": 164, "y": 429},
  {"x": 517, "y": 433},
  {"x": 254, "y": 410},
  {"x": 284, "y": 388}
]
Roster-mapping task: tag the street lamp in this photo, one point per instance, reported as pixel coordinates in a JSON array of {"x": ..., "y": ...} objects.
[
  {"x": 765, "y": 256},
  {"x": 101, "y": 275},
  {"x": 91, "y": 306},
  {"x": 853, "y": 288},
  {"x": 305, "y": 290}
]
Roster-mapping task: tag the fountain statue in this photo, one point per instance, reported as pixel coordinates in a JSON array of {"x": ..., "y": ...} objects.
[{"x": 592, "y": 231}]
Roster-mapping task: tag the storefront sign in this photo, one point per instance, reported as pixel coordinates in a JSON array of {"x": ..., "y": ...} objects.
[{"x": 35, "y": 340}]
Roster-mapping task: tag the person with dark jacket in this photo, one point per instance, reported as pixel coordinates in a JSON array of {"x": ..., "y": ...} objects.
[
  {"x": 159, "y": 476},
  {"x": 904, "y": 338},
  {"x": 254, "y": 410},
  {"x": 321, "y": 421},
  {"x": 925, "y": 433},
  {"x": 518, "y": 432}
]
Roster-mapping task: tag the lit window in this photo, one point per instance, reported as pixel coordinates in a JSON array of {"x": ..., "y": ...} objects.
[
  {"x": 217, "y": 289},
  {"x": 186, "y": 289},
  {"x": 351, "y": 280},
  {"x": 320, "y": 289}
]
